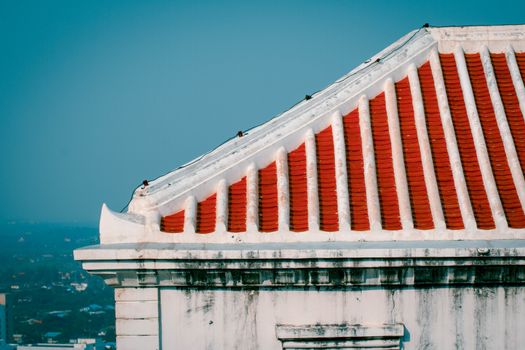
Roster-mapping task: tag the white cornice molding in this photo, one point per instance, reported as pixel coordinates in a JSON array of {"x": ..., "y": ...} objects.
[{"x": 338, "y": 265}]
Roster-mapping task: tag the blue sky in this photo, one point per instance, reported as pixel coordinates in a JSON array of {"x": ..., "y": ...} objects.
[{"x": 96, "y": 96}]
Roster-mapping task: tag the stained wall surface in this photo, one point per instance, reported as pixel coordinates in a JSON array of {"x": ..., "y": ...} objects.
[{"x": 434, "y": 318}]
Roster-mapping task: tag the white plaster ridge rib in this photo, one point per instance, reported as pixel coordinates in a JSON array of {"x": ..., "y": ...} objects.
[
  {"x": 341, "y": 177},
  {"x": 283, "y": 194},
  {"x": 397, "y": 155},
  {"x": 369, "y": 165},
  {"x": 465, "y": 206},
  {"x": 479, "y": 142},
  {"x": 311, "y": 181},
  {"x": 252, "y": 199},
  {"x": 424, "y": 148},
  {"x": 190, "y": 215},
  {"x": 222, "y": 207},
  {"x": 516, "y": 78},
  {"x": 503, "y": 126}
]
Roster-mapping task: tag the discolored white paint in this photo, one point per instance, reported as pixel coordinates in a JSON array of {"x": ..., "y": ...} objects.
[
  {"x": 441, "y": 318},
  {"x": 341, "y": 178},
  {"x": 282, "y": 189},
  {"x": 369, "y": 165}
]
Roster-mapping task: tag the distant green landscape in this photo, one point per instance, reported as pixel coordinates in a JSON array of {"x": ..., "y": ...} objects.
[{"x": 47, "y": 290}]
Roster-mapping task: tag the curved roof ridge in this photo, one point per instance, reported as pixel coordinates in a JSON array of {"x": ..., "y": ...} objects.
[{"x": 305, "y": 110}]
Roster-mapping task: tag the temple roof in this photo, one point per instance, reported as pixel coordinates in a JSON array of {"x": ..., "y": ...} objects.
[{"x": 425, "y": 140}]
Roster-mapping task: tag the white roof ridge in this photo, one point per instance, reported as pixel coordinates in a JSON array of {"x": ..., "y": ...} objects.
[
  {"x": 221, "y": 152},
  {"x": 252, "y": 132},
  {"x": 164, "y": 193}
]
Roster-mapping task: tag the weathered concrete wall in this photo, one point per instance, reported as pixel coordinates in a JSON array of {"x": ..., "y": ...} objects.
[
  {"x": 447, "y": 295},
  {"x": 137, "y": 318},
  {"x": 482, "y": 317}
]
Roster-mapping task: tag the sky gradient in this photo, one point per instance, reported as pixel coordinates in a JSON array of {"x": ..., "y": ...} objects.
[{"x": 96, "y": 96}]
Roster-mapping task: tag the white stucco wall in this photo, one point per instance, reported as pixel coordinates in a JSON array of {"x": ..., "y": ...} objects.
[
  {"x": 434, "y": 318},
  {"x": 446, "y": 295}
]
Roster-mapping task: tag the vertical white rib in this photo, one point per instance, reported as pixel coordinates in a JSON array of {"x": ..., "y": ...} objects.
[
  {"x": 369, "y": 164},
  {"x": 503, "y": 126},
  {"x": 221, "y": 208},
  {"x": 424, "y": 149},
  {"x": 400, "y": 175},
  {"x": 460, "y": 184},
  {"x": 152, "y": 220},
  {"x": 252, "y": 198},
  {"x": 311, "y": 181},
  {"x": 282, "y": 190},
  {"x": 516, "y": 78},
  {"x": 190, "y": 215},
  {"x": 479, "y": 141},
  {"x": 341, "y": 180}
]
